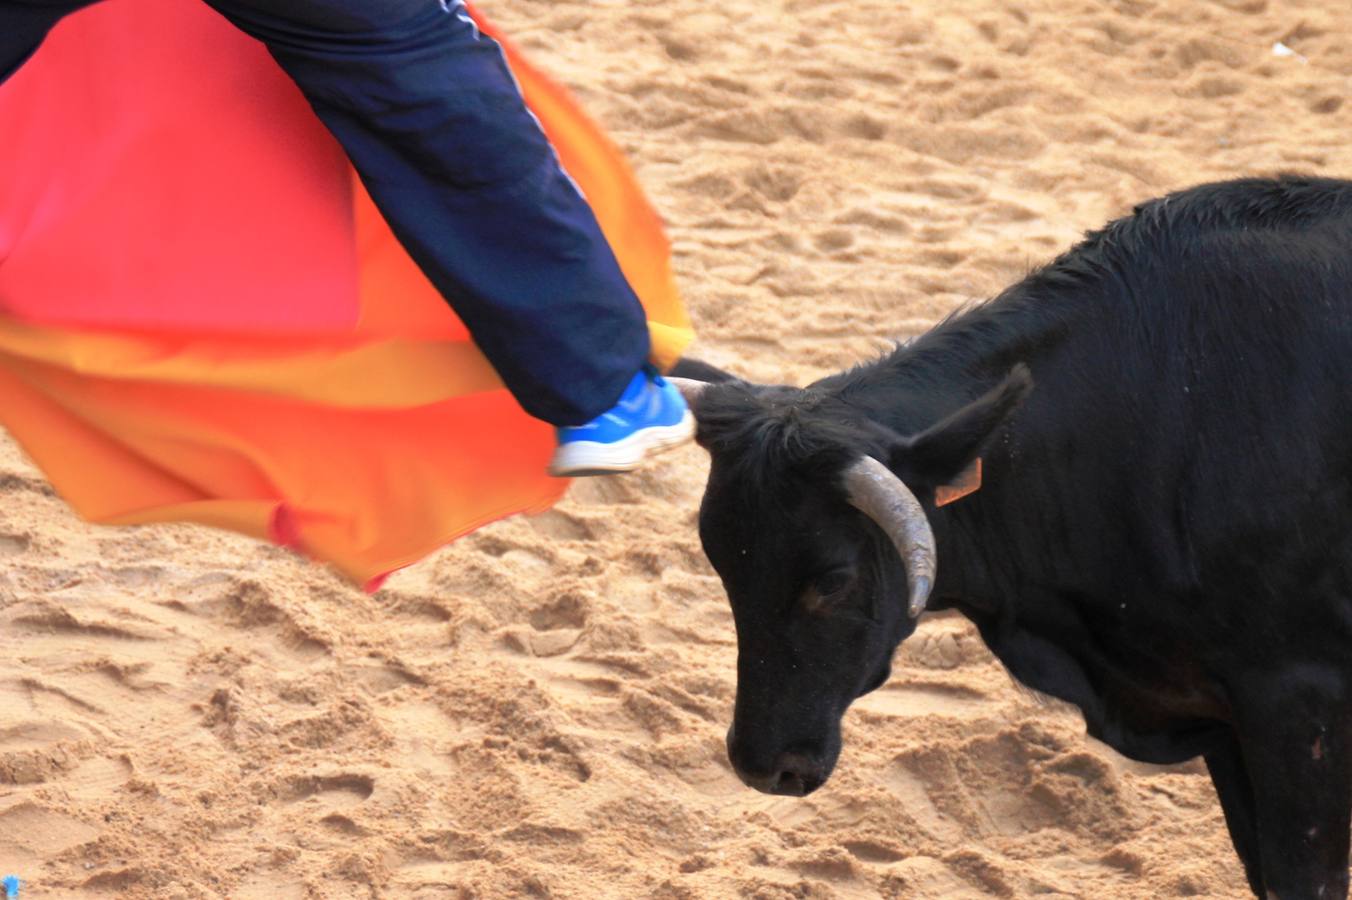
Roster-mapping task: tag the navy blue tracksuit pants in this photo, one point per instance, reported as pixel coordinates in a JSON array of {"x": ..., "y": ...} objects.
[{"x": 430, "y": 115}]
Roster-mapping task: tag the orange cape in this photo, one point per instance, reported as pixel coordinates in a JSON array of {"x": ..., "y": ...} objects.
[{"x": 203, "y": 318}]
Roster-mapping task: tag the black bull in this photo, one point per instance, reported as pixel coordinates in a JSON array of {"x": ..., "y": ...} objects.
[{"x": 1162, "y": 536}]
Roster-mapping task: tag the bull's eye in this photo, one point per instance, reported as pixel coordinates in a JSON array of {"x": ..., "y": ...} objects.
[
  {"x": 831, "y": 584},
  {"x": 825, "y": 591}
]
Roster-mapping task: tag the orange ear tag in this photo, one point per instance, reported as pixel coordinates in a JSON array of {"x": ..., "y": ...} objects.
[{"x": 967, "y": 482}]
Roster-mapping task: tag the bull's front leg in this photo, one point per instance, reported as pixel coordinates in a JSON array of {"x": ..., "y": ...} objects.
[
  {"x": 1295, "y": 733},
  {"x": 1226, "y": 765}
]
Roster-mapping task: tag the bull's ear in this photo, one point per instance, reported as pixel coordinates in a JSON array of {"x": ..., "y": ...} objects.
[{"x": 941, "y": 454}]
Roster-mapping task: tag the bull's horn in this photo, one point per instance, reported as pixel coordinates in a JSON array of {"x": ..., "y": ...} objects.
[
  {"x": 690, "y": 388},
  {"x": 884, "y": 498}
]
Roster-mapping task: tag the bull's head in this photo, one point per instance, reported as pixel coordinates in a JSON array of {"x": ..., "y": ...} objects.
[{"x": 815, "y": 517}]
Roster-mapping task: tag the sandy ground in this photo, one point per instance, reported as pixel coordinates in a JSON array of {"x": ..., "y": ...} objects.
[{"x": 540, "y": 709}]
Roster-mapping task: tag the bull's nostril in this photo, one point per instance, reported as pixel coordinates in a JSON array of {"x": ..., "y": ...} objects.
[{"x": 790, "y": 784}]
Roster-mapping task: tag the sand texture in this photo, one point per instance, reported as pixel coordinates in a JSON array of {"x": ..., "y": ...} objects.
[{"x": 539, "y": 710}]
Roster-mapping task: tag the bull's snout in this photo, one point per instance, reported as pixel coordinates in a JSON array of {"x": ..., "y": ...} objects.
[{"x": 793, "y": 774}]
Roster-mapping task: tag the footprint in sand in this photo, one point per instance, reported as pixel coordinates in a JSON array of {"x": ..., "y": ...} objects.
[
  {"x": 1012, "y": 782},
  {"x": 30, "y": 834},
  {"x": 558, "y": 623},
  {"x": 33, "y": 751},
  {"x": 330, "y": 798}
]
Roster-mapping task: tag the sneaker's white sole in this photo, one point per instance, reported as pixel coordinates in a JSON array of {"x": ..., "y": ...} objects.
[{"x": 590, "y": 458}]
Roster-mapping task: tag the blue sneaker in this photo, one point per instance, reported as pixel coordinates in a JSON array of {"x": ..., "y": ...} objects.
[{"x": 650, "y": 416}]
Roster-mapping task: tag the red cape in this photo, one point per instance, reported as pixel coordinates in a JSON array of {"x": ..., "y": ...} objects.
[{"x": 203, "y": 317}]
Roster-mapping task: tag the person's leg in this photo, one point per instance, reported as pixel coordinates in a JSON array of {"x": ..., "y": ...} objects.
[
  {"x": 428, "y": 112},
  {"x": 23, "y": 25}
]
